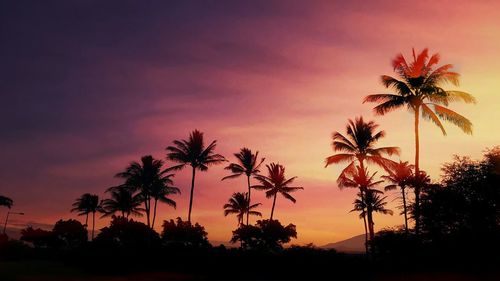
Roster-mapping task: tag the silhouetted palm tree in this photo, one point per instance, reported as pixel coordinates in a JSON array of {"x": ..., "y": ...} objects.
[
  {"x": 418, "y": 88},
  {"x": 238, "y": 204},
  {"x": 124, "y": 201},
  {"x": 150, "y": 181},
  {"x": 418, "y": 182},
  {"x": 248, "y": 165},
  {"x": 275, "y": 182},
  {"x": 359, "y": 145},
  {"x": 6, "y": 201},
  {"x": 369, "y": 202},
  {"x": 160, "y": 191},
  {"x": 86, "y": 204},
  {"x": 400, "y": 175},
  {"x": 193, "y": 152}
]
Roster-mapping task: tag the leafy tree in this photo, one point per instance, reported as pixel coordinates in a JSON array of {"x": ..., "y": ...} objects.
[
  {"x": 184, "y": 233},
  {"x": 38, "y": 237},
  {"x": 70, "y": 233},
  {"x": 248, "y": 165},
  {"x": 265, "y": 235},
  {"x": 127, "y": 234},
  {"x": 193, "y": 152},
  {"x": 276, "y": 183}
]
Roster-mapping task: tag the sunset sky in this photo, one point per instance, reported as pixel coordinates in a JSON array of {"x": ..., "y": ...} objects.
[{"x": 88, "y": 86}]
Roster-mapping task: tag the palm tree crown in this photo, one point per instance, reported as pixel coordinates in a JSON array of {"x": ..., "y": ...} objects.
[
  {"x": 400, "y": 175},
  {"x": 6, "y": 201},
  {"x": 276, "y": 182},
  {"x": 86, "y": 204},
  {"x": 194, "y": 153},
  {"x": 248, "y": 165},
  {"x": 238, "y": 204},
  {"x": 359, "y": 145},
  {"x": 124, "y": 201}
]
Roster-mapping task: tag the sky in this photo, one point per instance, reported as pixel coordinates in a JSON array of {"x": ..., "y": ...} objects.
[{"x": 86, "y": 87}]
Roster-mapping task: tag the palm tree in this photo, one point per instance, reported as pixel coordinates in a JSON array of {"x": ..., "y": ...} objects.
[
  {"x": 418, "y": 87},
  {"x": 124, "y": 201},
  {"x": 161, "y": 190},
  {"x": 369, "y": 202},
  {"x": 248, "y": 164},
  {"x": 238, "y": 204},
  {"x": 194, "y": 153},
  {"x": 361, "y": 179},
  {"x": 86, "y": 204},
  {"x": 6, "y": 201},
  {"x": 150, "y": 181},
  {"x": 275, "y": 182},
  {"x": 418, "y": 182},
  {"x": 400, "y": 176},
  {"x": 359, "y": 145}
]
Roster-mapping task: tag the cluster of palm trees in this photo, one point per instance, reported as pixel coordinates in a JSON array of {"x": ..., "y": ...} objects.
[{"x": 419, "y": 89}]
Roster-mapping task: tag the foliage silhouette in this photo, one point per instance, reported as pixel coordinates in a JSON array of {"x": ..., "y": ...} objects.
[
  {"x": 238, "y": 204},
  {"x": 86, "y": 204},
  {"x": 38, "y": 237},
  {"x": 369, "y": 202},
  {"x": 399, "y": 176},
  {"x": 194, "y": 153},
  {"x": 265, "y": 235},
  {"x": 151, "y": 182},
  {"x": 126, "y": 233},
  {"x": 275, "y": 182},
  {"x": 248, "y": 165},
  {"x": 69, "y": 234},
  {"x": 418, "y": 87},
  {"x": 6, "y": 201},
  {"x": 123, "y": 201},
  {"x": 183, "y": 233}
]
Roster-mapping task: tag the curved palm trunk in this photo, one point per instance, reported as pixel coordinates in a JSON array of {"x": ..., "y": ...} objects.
[
  {"x": 366, "y": 233},
  {"x": 154, "y": 214},
  {"x": 87, "y": 220},
  {"x": 248, "y": 206},
  {"x": 274, "y": 204},
  {"x": 417, "y": 171},
  {"x": 147, "y": 209},
  {"x": 191, "y": 196},
  {"x": 93, "y": 225},
  {"x": 404, "y": 209}
]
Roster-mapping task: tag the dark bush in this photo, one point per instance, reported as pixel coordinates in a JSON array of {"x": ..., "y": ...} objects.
[{"x": 183, "y": 233}]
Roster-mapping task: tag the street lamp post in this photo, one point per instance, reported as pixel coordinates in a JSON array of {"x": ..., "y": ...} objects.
[{"x": 7, "y": 219}]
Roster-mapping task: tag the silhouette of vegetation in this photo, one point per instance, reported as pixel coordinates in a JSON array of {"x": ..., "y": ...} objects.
[
  {"x": 122, "y": 201},
  {"x": 70, "y": 234},
  {"x": 150, "y": 182},
  {"x": 183, "y": 233},
  {"x": 238, "y": 204},
  {"x": 399, "y": 176},
  {"x": 248, "y": 165},
  {"x": 265, "y": 235},
  {"x": 419, "y": 88},
  {"x": 6, "y": 202},
  {"x": 86, "y": 204},
  {"x": 193, "y": 152},
  {"x": 370, "y": 202},
  {"x": 126, "y": 233},
  {"x": 38, "y": 237}
]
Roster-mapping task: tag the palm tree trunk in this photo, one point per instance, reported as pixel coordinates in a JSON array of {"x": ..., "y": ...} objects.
[
  {"x": 86, "y": 220},
  {"x": 404, "y": 209},
  {"x": 147, "y": 209},
  {"x": 248, "y": 206},
  {"x": 191, "y": 196},
  {"x": 366, "y": 232},
  {"x": 154, "y": 214},
  {"x": 93, "y": 225},
  {"x": 371, "y": 230},
  {"x": 274, "y": 204},
  {"x": 417, "y": 171}
]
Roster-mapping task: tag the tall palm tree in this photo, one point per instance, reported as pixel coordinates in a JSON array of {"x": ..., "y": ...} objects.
[
  {"x": 124, "y": 201},
  {"x": 86, "y": 204},
  {"x": 193, "y": 152},
  {"x": 149, "y": 179},
  {"x": 359, "y": 146},
  {"x": 238, "y": 204},
  {"x": 360, "y": 178},
  {"x": 369, "y": 202},
  {"x": 248, "y": 165},
  {"x": 400, "y": 176},
  {"x": 418, "y": 87},
  {"x": 6, "y": 201},
  {"x": 276, "y": 182}
]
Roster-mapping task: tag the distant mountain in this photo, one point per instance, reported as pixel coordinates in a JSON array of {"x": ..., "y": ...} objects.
[{"x": 354, "y": 244}]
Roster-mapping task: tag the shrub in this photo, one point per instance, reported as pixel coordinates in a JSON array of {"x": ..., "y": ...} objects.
[{"x": 183, "y": 233}]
